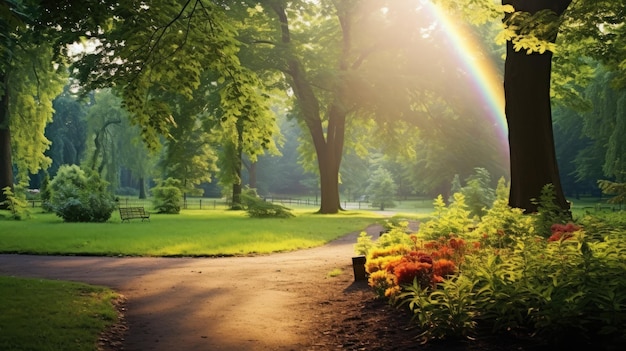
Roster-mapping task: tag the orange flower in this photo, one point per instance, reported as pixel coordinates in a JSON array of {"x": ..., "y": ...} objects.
[{"x": 444, "y": 268}]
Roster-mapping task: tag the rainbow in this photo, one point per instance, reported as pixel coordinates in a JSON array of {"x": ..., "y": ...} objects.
[{"x": 485, "y": 78}]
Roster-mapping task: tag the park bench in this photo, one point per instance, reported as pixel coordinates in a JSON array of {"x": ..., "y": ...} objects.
[{"x": 128, "y": 213}]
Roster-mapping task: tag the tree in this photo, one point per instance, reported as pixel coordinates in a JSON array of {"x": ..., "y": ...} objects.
[
  {"x": 67, "y": 132},
  {"x": 29, "y": 81},
  {"x": 160, "y": 54},
  {"x": 382, "y": 189},
  {"x": 32, "y": 40},
  {"x": 528, "y": 109},
  {"x": 343, "y": 61}
]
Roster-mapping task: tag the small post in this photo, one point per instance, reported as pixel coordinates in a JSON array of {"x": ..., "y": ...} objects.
[{"x": 358, "y": 265}]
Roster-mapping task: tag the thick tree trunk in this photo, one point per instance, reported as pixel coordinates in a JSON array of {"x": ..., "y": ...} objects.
[
  {"x": 6, "y": 163},
  {"x": 529, "y": 118}
]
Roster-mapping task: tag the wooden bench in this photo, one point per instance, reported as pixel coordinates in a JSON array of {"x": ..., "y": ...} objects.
[{"x": 128, "y": 213}]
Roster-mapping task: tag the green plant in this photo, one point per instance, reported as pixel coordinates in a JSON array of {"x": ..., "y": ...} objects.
[
  {"x": 16, "y": 204},
  {"x": 45, "y": 194},
  {"x": 613, "y": 188},
  {"x": 444, "y": 313},
  {"x": 256, "y": 207},
  {"x": 80, "y": 196},
  {"x": 335, "y": 273},
  {"x": 502, "y": 223},
  {"x": 363, "y": 244},
  {"x": 167, "y": 196},
  {"x": 382, "y": 189},
  {"x": 548, "y": 212},
  {"x": 453, "y": 219},
  {"x": 478, "y": 193}
]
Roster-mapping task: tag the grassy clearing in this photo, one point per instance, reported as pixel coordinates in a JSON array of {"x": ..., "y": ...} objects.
[
  {"x": 53, "y": 315},
  {"x": 192, "y": 233}
]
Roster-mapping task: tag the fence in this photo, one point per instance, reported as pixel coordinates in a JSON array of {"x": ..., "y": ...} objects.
[{"x": 220, "y": 204}]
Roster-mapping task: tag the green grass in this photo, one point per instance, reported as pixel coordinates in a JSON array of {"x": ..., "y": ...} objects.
[
  {"x": 53, "y": 315},
  {"x": 191, "y": 233}
]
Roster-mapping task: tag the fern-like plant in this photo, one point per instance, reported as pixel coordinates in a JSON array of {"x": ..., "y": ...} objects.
[{"x": 16, "y": 204}]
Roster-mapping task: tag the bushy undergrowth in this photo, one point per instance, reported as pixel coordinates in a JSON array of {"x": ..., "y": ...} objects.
[
  {"x": 501, "y": 275},
  {"x": 80, "y": 196}
]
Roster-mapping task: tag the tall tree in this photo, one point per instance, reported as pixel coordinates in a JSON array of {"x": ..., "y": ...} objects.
[
  {"x": 342, "y": 60},
  {"x": 33, "y": 35},
  {"x": 528, "y": 109},
  {"x": 29, "y": 82}
]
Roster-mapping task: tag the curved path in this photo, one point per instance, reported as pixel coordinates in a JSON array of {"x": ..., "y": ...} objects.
[{"x": 266, "y": 302}]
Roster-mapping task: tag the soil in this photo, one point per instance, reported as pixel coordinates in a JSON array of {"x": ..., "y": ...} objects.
[{"x": 283, "y": 301}]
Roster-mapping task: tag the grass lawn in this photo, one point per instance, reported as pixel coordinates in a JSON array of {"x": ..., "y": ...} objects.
[
  {"x": 53, "y": 315},
  {"x": 191, "y": 233}
]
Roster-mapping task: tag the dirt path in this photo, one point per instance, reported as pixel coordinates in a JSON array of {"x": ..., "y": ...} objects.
[{"x": 273, "y": 302}]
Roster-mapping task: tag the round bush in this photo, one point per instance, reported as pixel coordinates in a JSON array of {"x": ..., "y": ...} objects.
[
  {"x": 167, "y": 196},
  {"x": 79, "y": 196}
]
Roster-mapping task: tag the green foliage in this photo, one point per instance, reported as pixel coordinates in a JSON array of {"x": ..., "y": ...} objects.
[
  {"x": 45, "y": 193},
  {"x": 548, "y": 211},
  {"x": 454, "y": 219},
  {"x": 167, "y": 196},
  {"x": 479, "y": 195},
  {"x": 396, "y": 235},
  {"x": 16, "y": 202},
  {"x": 382, "y": 189},
  {"x": 613, "y": 188},
  {"x": 257, "y": 207},
  {"x": 80, "y": 196},
  {"x": 363, "y": 244},
  {"x": 502, "y": 223},
  {"x": 446, "y": 313}
]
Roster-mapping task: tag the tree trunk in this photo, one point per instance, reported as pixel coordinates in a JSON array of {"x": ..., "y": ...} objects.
[
  {"x": 236, "y": 205},
  {"x": 142, "y": 187},
  {"x": 6, "y": 163},
  {"x": 529, "y": 118}
]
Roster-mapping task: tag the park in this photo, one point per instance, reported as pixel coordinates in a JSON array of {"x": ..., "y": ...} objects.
[{"x": 312, "y": 175}]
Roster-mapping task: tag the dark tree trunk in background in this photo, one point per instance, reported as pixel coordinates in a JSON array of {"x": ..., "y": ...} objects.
[
  {"x": 238, "y": 165},
  {"x": 142, "y": 188},
  {"x": 529, "y": 117},
  {"x": 6, "y": 163}
]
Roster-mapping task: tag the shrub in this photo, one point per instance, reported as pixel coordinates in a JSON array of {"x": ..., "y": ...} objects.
[
  {"x": 16, "y": 204},
  {"x": 80, "y": 196},
  {"x": 478, "y": 193},
  {"x": 259, "y": 208},
  {"x": 452, "y": 219},
  {"x": 363, "y": 244},
  {"x": 167, "y": 196},
  {"x": 548, "y": 212}
]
